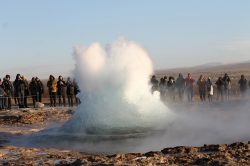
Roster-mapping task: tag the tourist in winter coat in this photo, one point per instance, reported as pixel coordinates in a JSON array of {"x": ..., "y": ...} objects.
[
  {"x": 61, "y": 91},
  {"x": 180, "y": 85},
  {"x": 2, "y": 95},
  {"x": 26, "y": 91},
  {"x": 76, "y": 92},
  {"x": 9, "y": 90},
  {"x": 33, "y": 90},
  {"x": 52, "y": 87},
  {"x": 40, "y": 88},
  {"x": 227, "y": 86},
  {"x": 171, "y": 87},
  {"x": 20, "y": 89},
  {"x": 210, "y": 89},
  {"x": 163, "y": 88},
  {"x": 15, "y": 89},
  {"x": 154, "y": 82},
  {"x": 220, "y": 84},
  {"x": 189, "y": 81},
  {"x": 243, "y": 85},
  {"x": 70, "y": 91},
  {"x": 202, "y": 87},
  {"x": 16, "y": 99}
]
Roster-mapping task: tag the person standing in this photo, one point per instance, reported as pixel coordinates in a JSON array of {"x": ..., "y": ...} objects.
[
  {"x": 227, "y": 86},
  {"x": 202, "y": 88},
  {"x": 40, "y": 88},
  {"x": 162, "y": 88},
  {"x": 61, "y": 91},
  {"x": 15, "y": 84},
  {"x": 70, "y": 91},
  {"x": 171, "y": 87},
  {"x": 33, "y": 90},
  {"x": 76, "y": 92},
  {"x": 26, "y": 91},
  {"x": 180, "y": 85},
  {"x": 189, "y": 81},
  {"x": 51, "y": 84},
  {"x": 243, "y": 85},
  {"x": 20, "y": 87},
  {"x": 155, "y": 84},
  {"x": 220, "y": 83},
  {"x": 9, "y": 90},
  {"x": 16, "y": 99},
  {"x": 210, "y": 89},
  {"x": 2, "y": 95}
]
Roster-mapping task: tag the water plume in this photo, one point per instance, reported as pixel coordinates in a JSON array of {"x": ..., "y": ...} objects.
[{"x": 115, "y": 91}]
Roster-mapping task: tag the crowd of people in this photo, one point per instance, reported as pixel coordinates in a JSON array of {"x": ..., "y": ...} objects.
[
  {"x": 21, "y": 89},
  {"x": 170, "y": 88},
  {"x": 66, "y": 91},
  {"x": 61, "y": 89}
]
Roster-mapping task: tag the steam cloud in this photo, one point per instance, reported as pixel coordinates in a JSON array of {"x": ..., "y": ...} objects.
[{"x": 115, "y": 90}]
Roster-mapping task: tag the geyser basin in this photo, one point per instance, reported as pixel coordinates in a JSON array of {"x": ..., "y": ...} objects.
[
  {"x": 115, "y": 91},
  {"x": 195, "y": 125},
  {"x": 119, "y": 114}
]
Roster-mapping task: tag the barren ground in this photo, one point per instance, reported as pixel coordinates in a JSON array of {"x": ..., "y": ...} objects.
[{"x": 26, "y": 121}]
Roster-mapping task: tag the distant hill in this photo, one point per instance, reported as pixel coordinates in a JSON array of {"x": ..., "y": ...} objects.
[
  {"x": 208, "y": 65},
  {"x": 210, "y": 69}
]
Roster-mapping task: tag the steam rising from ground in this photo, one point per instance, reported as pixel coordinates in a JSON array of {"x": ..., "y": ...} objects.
[{"x": 115, "y": 89}]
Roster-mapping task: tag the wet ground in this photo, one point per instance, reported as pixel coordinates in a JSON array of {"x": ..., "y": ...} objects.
[{"x": 20, "y": 123}]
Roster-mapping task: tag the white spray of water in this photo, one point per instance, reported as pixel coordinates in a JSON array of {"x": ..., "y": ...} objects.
[{"x": 115, "y": 90}]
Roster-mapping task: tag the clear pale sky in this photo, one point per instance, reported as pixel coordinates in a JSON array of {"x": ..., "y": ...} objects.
[{"x": 175, "y": 33}]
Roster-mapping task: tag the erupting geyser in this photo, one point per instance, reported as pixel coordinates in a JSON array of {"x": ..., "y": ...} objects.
[{"x": 115, "y": 91}]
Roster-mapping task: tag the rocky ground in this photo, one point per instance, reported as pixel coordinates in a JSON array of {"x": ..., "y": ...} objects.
[
  {"x": 22, "y": 117},
  {"x": 234, "y": 154},
  {"x": 26, "y": 121}
]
